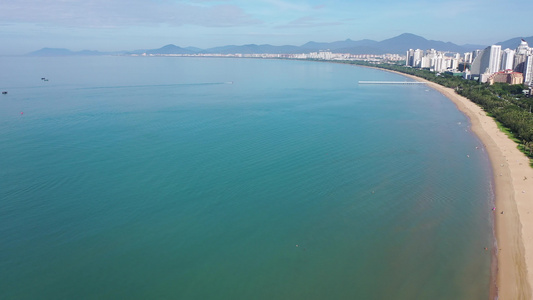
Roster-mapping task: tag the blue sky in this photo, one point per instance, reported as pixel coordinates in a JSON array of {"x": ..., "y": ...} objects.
[{"x": 109, "y": 25}]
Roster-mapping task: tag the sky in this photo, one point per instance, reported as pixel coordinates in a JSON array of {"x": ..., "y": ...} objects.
[{"x": 114, "y": 25}]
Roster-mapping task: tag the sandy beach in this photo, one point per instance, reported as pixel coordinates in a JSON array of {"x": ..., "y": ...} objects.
[{"x": 513, "y": 180}]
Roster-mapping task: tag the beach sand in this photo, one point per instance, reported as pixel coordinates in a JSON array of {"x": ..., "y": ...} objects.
[{"x": 513, "y": 180}]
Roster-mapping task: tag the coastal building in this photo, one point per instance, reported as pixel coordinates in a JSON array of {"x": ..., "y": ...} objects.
[
  {"x": 475, "y": 53},
  {"x": 495, "y": 53},
  {"x": 523, "y": 48},
  {"x": 436, "y": 61},
  {"x": 507, "y": 76},
  {"x": 491, "y": 64},
  {"x": 467, "y": 75},
  {"x": 414, "y": 58},
  {"x": 426, "y": 62},
  {"x": 325, "y": 55},
  {"x": 454, "y": 62},
  {"x": 528, "y": 70},
  {"x": 480, "y": 64},
  {"x": 521, "y": 53},
  {"x": 468, "y": 57},
  {"x": 487, "y": 62},
  {"x": 507, "y": 59}
]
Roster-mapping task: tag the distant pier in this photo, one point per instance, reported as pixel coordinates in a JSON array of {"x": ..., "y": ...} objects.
[{"x": 391, "y": 82}]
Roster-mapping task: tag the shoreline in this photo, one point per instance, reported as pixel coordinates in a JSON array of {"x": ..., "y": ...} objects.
[{"x": 513, "y": 187}]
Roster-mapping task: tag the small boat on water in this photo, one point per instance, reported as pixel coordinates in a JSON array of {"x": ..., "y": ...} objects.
[{"x": 4, "y": 93}]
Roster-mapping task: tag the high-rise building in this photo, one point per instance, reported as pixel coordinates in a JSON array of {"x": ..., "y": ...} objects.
[
  {"x": 439, "y": 63},
  {"x": 418, "y": 57},
  {"x": 468, "y": 57},
  {"x": 426, "y": 62},
  {"x": 414, "y": 58},
  {"x": 475, "y": 53},
  {"x": 487, "y": 61},
  {"x": 528, "y": 70},
  {"x": 520, "y": 57},
  {"x": 454, "y": 63},
  {"x": 495, "y": 53},
  {"x": 523, "y": 48},
  {"x": 507, "y": 59}
]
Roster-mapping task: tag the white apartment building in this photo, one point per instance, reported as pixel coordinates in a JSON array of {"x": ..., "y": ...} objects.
[
  {"x": 414, "y": 58},
  {"x": 487, "y": 62},
  {"x": 507, "y": 59},
  {"x": 495, "y": 53},
  {"x": 468, "y": 57},
  {"x": 528, "y": 70}
]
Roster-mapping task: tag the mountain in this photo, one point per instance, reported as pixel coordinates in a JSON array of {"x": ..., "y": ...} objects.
[
  {"x": 396, "y": 45},
  {"x": 403, "y": 42},
  {"x": 170, "y": 49},
  {"x": 514, "y": 42}
]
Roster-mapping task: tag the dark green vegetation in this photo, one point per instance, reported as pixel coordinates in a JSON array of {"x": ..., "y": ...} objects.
[{"x": 505, "y": 103}]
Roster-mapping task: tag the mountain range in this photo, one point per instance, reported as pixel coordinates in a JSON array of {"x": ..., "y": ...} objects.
[{"x": 396, "y": 45}]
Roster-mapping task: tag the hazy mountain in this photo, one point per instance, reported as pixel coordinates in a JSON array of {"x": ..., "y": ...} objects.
[
  {"x": 396, "y": 45},
  {"x": 514, "y": 42},
  {"x": 170, "y": 49},
  {"x": 399, "y": 45},
  {"x": 402, "y": 43}
]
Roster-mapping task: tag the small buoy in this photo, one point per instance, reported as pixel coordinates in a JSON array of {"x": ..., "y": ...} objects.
[
  {"x": 297, "y": 246},
  {"x": 21, "y": 112}
]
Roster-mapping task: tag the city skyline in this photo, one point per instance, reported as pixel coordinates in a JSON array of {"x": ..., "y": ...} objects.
[{"x": 120, "y": 25}]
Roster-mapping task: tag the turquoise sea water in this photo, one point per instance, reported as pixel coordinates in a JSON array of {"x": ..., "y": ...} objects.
[{"x": 184, "y": 178}]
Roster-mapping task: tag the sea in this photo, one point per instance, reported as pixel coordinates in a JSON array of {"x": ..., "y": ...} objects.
[{"x": 230, "y": 178}]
